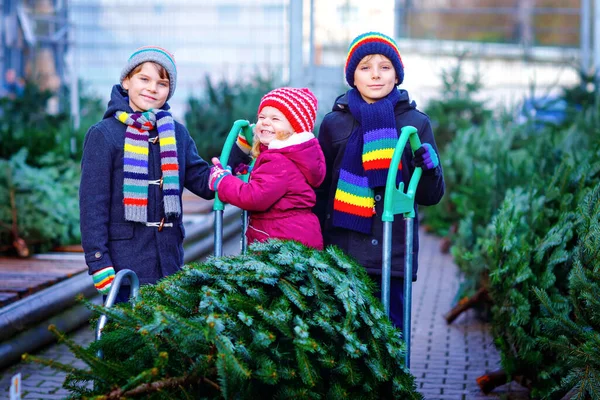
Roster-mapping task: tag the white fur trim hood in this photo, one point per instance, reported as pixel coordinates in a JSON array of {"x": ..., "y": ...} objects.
[{"x": 296, "y": 138}]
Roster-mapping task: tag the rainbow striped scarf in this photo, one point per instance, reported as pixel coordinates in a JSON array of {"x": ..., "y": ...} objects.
[
  {"x": 135, "y": 163},
  {"x": 366, "y": 160}
]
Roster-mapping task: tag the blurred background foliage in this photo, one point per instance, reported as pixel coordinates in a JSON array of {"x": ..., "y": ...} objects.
[{"x": 40, "y": 156}]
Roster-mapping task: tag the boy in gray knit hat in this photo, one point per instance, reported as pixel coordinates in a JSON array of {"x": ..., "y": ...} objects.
[
  {"x": 135, "y": 165},
  {"x": 156, "y": 55}
]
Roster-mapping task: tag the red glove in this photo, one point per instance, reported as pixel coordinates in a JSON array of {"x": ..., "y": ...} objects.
[{"x": 217, "y": 172}]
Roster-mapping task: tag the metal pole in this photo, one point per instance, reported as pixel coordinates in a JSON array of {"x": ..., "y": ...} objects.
[
  {"x": 2, "y": 44},
  {"x": 311, "y": 44},
  {"x": 398, "y": 19},
  {"x": 74, "y": 86},
  {"x": 596, "y": 37},
  {"x": 296, "y": 62},
  {"x": 244, "y": 227},
  {"x": 386, "y": 270},
  {"x": 408, "y": 272},
  {"x": 524, "y": 15},
  {"x": 218, "y": 234},
  {"x": 585, "y": 28},
  {"x": 112, "y": 295}
]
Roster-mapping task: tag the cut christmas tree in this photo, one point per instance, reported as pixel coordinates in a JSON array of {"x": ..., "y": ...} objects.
[
  {"x": 575, "y": 336},
  {"x": 283, "y": 321},
  {"x": 529, "y": 246}
]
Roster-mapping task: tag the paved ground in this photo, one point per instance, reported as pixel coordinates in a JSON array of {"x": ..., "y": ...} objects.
[{"x": 446, "y": 359}]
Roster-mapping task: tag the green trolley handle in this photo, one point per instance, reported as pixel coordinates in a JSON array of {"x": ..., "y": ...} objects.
[
  {"x": 134, "y": 287},
  {"x": 218, "y": 206},
  {"x": 398, "y": 202}
]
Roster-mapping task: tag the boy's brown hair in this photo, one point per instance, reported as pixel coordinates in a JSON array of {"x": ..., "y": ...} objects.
[{"x": 162, "y": 72}]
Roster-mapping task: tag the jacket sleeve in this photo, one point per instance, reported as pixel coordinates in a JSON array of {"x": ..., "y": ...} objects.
[
  {"x": 431, "y": 186},
  {"x": 237, "y": 157},
  {"x": 267, "y": 185},
  {"x": 322, "y": 192},
  {"x": 197, "y": 170},
  {"x": 94, "y": 199}
]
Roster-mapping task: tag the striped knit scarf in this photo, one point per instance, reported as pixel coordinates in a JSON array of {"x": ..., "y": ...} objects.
[
  {"x": 135, "y": 163},
  {"x": 366, "y": 161}
]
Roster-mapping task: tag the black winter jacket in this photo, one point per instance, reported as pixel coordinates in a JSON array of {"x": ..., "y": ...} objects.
[{"x": 367, "y": 249}]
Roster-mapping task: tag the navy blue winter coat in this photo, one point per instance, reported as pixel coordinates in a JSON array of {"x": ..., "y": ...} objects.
[
  {"x": 367, "y": 249},
  {"x": 107, "y": 238}
]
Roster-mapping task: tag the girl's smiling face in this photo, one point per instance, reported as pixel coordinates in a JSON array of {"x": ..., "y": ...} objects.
[
  {"x": 146, "y": 88},
  {"x": 270, "y": 121},
  {"x": 375, "y": 77}
]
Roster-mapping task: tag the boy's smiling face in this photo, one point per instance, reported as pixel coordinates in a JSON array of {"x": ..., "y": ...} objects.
[
  {"x": 146, "y": 89},
  {"x": 270, "y": 121},
  {"x": 375, "y": 77}
]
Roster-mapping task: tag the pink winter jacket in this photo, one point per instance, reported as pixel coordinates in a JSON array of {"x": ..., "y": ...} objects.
[{"x": 280, "y": 192}]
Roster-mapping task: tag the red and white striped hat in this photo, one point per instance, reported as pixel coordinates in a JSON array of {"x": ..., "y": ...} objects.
[{"x": 298, "y": 105}]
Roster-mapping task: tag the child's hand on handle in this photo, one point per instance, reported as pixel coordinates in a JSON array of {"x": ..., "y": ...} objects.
[
  {"x": 425, "y": 157},
  {"x": 103, "y": 279},
  {"x": 217, "y": 172}
]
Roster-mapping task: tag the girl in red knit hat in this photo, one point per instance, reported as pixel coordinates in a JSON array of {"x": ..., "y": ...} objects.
[{"x": 289, "y": 166}]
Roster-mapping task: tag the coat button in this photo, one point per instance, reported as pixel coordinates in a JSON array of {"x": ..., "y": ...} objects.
[
  {"x": 377, "y": 197},
  {"x": 328, "y": 216},
  {"x": 98, "y": 254},
  {"x": 374, "y": 242}
]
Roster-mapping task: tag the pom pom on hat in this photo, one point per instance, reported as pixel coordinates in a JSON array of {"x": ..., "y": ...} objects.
[
  {"x": 372, "y": 43},
  {"x": 157, "y": 55},
  {"x": 298, "y": 105}
]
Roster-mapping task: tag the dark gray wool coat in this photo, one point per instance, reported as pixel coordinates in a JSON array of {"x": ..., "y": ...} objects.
[
  {"x": 367, "y": 249},
  {"x": 107, "y": 238}
]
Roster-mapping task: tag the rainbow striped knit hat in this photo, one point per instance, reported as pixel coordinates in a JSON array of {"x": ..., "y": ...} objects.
[{"x": 373, "y": 43}]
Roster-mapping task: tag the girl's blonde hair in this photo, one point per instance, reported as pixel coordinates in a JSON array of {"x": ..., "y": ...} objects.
[{"x": 280, "y": 135}]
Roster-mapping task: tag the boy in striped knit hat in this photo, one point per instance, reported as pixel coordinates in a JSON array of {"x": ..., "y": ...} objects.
[
  {"x": 135, "y": 164},
  {"x": 289, "y": 166},
  {"x": 358, "y": 138}
]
